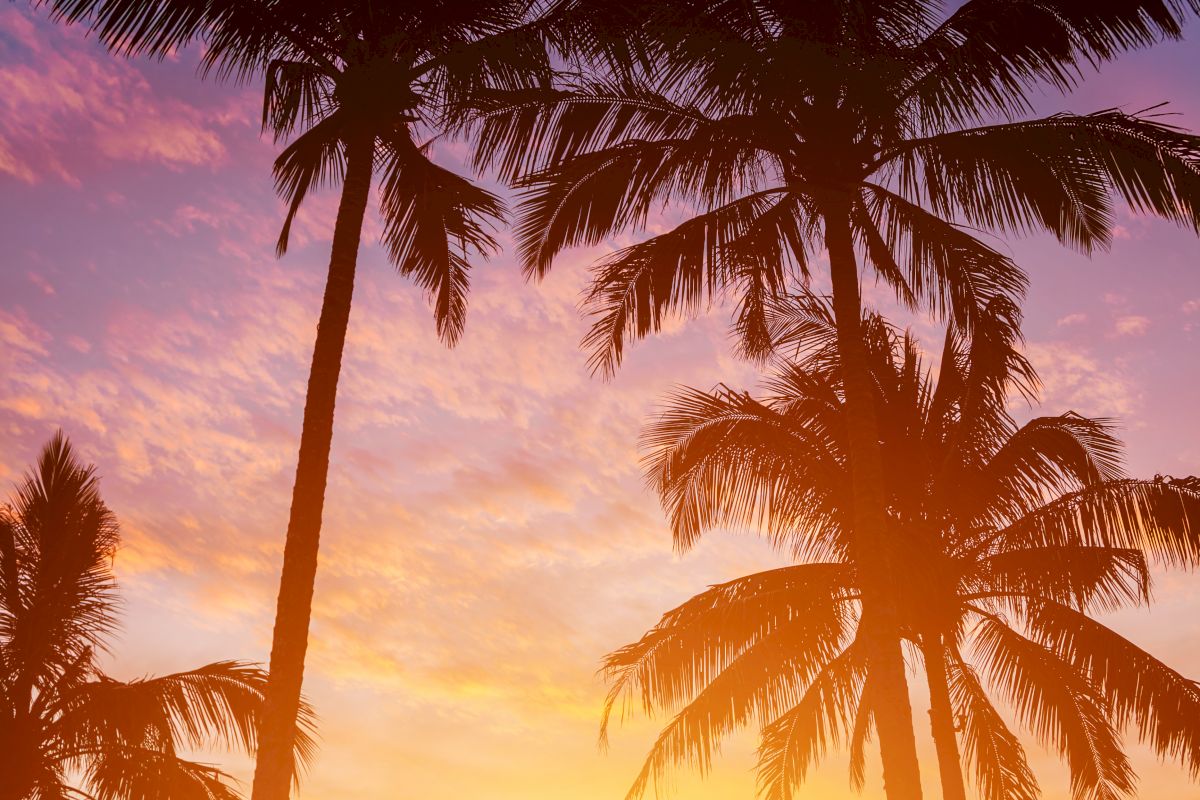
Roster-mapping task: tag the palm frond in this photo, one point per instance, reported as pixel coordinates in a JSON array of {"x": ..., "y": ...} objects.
[
  {"x": 933, "y": 260},
  {"x": 1088, "y": 578},
  {"x": 984, "y": 59},
  {"x": 1142, "y": 691},
  {"x": 1047, "y": 455},
  {"x": 697, "y": 640},
  {"x": 433, "y": 221},
  {"x": 216, "y": 704},
  {"x": 1060, "y": 705},
  {"x": 760, "y": 682},
  {"x": 701, "y": 259},
  {"x": 138, "y": 773},
  {"x": 316, "y": 158},
  {"x": 1000, "y": 768},
  {"x": 1160, "y": 517},
  {"x": 599, "y": 193},
  {"x": 725, "y": 459},
  {"x": 796, "y": 741},
  {"x": 1058, "y": 173}
]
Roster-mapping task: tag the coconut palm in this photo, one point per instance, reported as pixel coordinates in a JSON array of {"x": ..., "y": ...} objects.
[
  {"x": 67, "y": 729},
  {"x": 867, "y": 130},
  {"x": 356, "y": 85},
  {"x": 1014, "y": 537}
]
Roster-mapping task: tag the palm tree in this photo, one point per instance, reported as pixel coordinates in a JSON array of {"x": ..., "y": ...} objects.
[
  {"x": 865, "y": 129},
  {"x": 61, "y": 717},
  {"x": 1014, "y": 537},
  {"x": 361, "y": 82}
]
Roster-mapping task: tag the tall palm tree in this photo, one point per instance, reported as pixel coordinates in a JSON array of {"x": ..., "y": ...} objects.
[
  {"x": 867, "y": 130},
  {"x": 1015, "y": 535},
  {"x": 359, "y": 83},
  {"x": 62, "y": 719}
]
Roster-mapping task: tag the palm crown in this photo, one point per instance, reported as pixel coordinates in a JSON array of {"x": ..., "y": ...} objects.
[
  {"x": 774, "y": 120},
  {"x": 1013, "y": 536},
  {"x": 61, "y": 717},
  {"x": 361, "y": 82}
]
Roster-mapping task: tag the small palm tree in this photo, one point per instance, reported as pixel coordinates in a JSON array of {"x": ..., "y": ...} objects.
[
  {"x": 1014, "y": 537},
  {"x": 68, "y": 730},
  {"x": 360, "y": 84},
  {"x": 866, "y": 130}
]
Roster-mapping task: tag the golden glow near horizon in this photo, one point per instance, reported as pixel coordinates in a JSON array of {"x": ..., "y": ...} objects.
[{"x": 487, "y": 537}]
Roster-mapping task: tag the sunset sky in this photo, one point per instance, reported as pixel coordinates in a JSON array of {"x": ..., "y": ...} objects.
[{"x": 487, "y": 536}]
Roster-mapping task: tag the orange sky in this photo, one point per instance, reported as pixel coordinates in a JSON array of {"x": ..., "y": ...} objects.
[{"x": 487, "y": 538}]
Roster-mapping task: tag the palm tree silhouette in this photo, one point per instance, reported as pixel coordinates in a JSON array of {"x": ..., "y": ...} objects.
[
  {"x": 854, "y": 128},
  {"x": 360, "y": 81},
  {"x": 1013, "y": 537},
  {"x": 61, "y": 717}
]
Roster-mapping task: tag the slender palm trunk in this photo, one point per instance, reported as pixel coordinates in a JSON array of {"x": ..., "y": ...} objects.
[
  {"x": 276, "y": 732},
  {"x": 941, "y": 721},
  {"x": 893, "y": 711}
]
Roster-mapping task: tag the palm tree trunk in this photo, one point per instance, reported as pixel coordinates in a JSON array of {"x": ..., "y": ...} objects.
[
  {"x": 941, "y": 722},
  {"x": 893, "y": 711},
  {"x": 276, "y": 732}
]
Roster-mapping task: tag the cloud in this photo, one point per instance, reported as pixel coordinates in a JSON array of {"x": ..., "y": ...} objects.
[
  {"x": 68, "y": 106},
  {"x": 1131, "y": 325},
  {"x": 1075, "y": 379},
  {"x": 1071, "y": 319}
]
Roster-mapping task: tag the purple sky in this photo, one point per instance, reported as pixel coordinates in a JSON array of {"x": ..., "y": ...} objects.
[{"x": 487, "y": 537}]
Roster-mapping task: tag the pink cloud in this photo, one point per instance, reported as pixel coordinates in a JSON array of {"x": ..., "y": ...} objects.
[
  {"x": 68, "y": 105},
  {"x": 1132, "y": 325}
]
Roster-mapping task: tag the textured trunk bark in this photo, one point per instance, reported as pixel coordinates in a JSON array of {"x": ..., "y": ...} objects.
[
  {"x": 276, "y": 732},
  {"x": 893, "y": 711},
  {"x": 941, "y": 722}
]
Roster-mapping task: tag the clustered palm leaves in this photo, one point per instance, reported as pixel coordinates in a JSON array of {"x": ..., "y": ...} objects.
[
  {"x": 1015, "y": 536},
  {"x": 870, "y": 130},
  {"x": 879, "y": 132},
  {"x": 68, "y": 730}
]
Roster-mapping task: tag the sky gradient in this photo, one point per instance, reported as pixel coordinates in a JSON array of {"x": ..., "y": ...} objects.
[{"x": 487, "y": 537}]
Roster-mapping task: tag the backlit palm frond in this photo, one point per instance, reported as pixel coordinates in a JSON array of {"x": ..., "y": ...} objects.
[
  {"x": 936, "y": 261},
  {"x": 1088, "y": 578},
  {"x": 148, "y": 27},
  {"x": 634, "y": 289},
  {"x": 1058, "y": 173},
  {"x": 1160, "y": 517},
  {"x": 796, "y": 741},
  {"x": 509, "y": 54},
  {"x": 136, "y": 773},
  {"x": 759, "y": 683},
  {"x": 1000, "y": 769},
  {"x": 596, "y": 195},
  {"x": 860, "y": 736},
  {"x": 968, "y": 411},
  {"x": 295, "y": 93},
  {"x": 1141, "y": 691},
  {"x": 985, "y": 57},
  {"x": 1060, "y": 706},
  {"x": 187, "y": 710},
  {"x": 725, "y": 459},
  {"x": 1048, "y": 456},
  {"x": 59, "y": 542},
  {"x": 771, "y": 255},
  {"x": 696, "y": 641},
  {"x": 524, "y": 132},
  {"x": 801, "y": 325},
  {"x": 433, "y": 221},
  {"x": 316, "y": 158}
]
